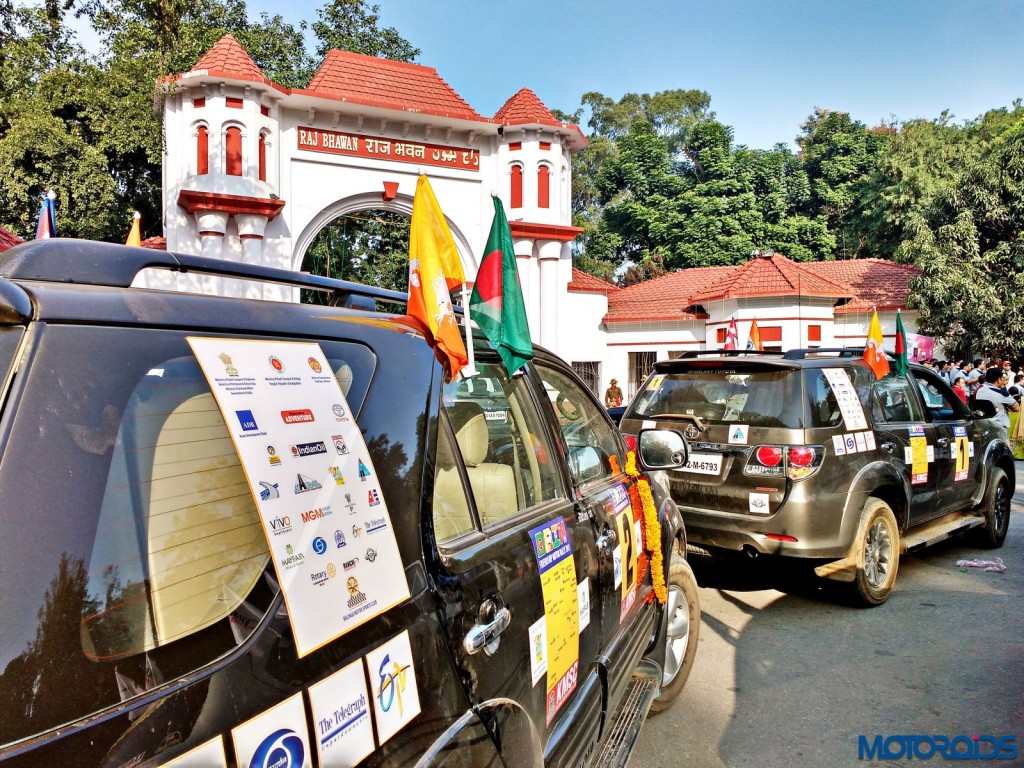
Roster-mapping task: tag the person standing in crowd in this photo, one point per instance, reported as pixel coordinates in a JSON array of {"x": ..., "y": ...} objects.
[
  {"x": 991, "y": 390},
  {"x": 1016, "y": 389},
  {"x": 613, "y": 395},
  {"x": 960, "y": 387},
  {"x": 976, "y": 378}
]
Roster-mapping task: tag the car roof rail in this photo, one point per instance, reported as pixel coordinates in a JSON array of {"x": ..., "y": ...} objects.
[
  {"x": 692, "y": 353},
  {"x": 803, "y": 354},
  {"x": 87, "y": 262}
]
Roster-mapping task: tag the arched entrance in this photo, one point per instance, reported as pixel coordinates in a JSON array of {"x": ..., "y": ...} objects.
[{"x": 365, "y": 239}]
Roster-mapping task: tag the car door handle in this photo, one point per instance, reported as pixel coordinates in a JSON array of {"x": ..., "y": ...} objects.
[
  {"x": 887, "y": 446},
  {"x": 484, "y": 636},
  {"x": 943, "y": 441}
]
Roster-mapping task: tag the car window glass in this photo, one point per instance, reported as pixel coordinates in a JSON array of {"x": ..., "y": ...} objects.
[
  {"x": 9, "y": 338},
  {"x": 591, "y": 440},
  {"x": 895, "y": 400},
  {"x": 452, "y": 517},
  {"x": 822, "y": 404},
  {"x": 940, "y": 404},
  {"x": 755, "y": 396},
  {"x": 156, "y": 563},
  {"x": 503, "y": 443}
]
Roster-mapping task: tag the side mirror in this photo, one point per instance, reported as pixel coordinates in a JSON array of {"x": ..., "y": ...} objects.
[
  {"x": 662, "y": 449},
  {"x": 983, "y": 409}
]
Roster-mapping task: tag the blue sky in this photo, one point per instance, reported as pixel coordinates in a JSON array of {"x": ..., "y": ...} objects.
[{"x": 766, "y": 65}]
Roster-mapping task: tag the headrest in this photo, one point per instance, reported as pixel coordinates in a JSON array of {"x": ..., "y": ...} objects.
[{"x": 471, "y": 432}]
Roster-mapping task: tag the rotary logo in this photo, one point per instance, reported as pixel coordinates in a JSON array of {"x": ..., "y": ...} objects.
[{"x": 332, "y": 571}]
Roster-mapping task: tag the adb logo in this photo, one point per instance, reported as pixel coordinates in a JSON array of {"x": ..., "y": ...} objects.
[{"x": 281, "y": 749}]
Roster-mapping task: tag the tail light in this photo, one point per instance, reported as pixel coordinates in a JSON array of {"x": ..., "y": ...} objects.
[
  {"x": 802, "y": 461},
  {"x": 796, "y": 462},
  {"x": 630, "y": 441}
]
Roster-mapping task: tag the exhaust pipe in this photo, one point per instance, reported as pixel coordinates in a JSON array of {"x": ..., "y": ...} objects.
[{"x": 750, "y": 551}]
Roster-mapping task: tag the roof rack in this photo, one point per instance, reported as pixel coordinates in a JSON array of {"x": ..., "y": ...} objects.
[
  {"x": 86, "y": 262},
  {"x": 802, "y": 354},
  {"x": 724, "y": 353}
]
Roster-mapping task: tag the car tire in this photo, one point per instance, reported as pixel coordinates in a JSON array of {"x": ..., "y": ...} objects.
[
  {"x": 878, "y": 555},
  {"x": 996, "y": 509},
  {"x": 682, "y": 613}
]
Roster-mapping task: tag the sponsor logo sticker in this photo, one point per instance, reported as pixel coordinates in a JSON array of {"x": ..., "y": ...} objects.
[
  {"x": 297, "y": 416},
  {"x": 268, "y": 491},
  {"x": 396, "y": 699},
  {"x": 309, "y": 449},
  {"x": 305, "y": 484},
  {"x": 276, "y": 738},
  {"x": 276, "y": 364},
  {"x": 314, "y": 365},
  {"x": 339, "y": 539},
  {"x": 272, "y": 456},
  {"x": 247, "y": 420}
]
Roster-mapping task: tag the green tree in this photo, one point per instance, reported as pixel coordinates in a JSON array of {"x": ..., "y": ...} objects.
[
  {"x": 837, "y": 152},
  {"x": 964, "y": 234},
  {"x": 351, "y": 25}
]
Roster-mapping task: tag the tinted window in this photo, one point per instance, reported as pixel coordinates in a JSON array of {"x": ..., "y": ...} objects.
[
  {"x": 759, "y": 397},
  {"x": 939, "y": 400},
  {"x": 895, "y": 400},
  {"x": 589, "y": 437},
  {"x": 822, "y": 404},
  {"x": 146, "y": 559}
]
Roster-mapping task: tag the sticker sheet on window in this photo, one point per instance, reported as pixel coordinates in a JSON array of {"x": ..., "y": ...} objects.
[
  {"x": 320, "y": 502},
  {"x": 846, "y": 397}
]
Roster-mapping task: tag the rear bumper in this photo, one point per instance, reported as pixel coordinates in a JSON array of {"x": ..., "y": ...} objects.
[{"x": 822, "y": 528}]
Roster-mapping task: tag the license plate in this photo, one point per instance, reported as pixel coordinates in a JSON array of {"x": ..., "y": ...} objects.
[{"x": 704, "y": 464}]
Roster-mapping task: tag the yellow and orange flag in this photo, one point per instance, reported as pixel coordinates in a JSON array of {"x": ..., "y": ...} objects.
[
  {"x": 874, "y": 349},
  {"x": 434, "y": 270}
]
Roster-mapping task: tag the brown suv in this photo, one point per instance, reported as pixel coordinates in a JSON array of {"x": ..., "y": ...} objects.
[{"x": 806, "y": 455}]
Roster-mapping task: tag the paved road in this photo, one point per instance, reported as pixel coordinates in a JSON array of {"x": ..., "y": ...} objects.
[{"x": 788, "y": 680}]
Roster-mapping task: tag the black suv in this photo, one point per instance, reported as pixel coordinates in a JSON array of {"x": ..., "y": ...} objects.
[
  {"x": 250, "y": 533},
  {"x": 806, "y": 455}
]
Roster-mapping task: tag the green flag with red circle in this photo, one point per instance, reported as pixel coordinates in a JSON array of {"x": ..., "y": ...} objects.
[
  {"x": 497, "y": 301},
  {"x": 901, "y": 346}
]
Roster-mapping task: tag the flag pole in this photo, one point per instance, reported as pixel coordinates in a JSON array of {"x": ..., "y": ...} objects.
[{"x": 470, "y": 368}]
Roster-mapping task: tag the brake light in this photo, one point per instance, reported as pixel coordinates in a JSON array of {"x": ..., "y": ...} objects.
[
  {"x": 630, "y": 441},
  {"x": 796, "y": 462},
  {"x": 765, "y": 461},
  {"x": 800, "y": 456},
  {"x": 802, "y": 461}
]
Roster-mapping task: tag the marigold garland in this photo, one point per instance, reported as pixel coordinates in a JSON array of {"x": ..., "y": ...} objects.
[
  {"x": 613, "y": 464},
  {"x": 651, "y": 528}
]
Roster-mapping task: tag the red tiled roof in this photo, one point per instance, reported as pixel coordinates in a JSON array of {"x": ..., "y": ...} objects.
[
  {"x": 774, "y": 275},
  {"x": 663, "y": 298},
  {"x": 369, "y": 80},
  {"x": 873, "y": 283},
  {"x": 582, "y": 282},
  {"x": 8, "y": 239},
  {"x": 524, "y": 107},
  {"x": 229, "y": 57},
  {"x": 156, "y": 243}
]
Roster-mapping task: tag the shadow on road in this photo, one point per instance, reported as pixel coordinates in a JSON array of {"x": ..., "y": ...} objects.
[{"x": 944, "y": 656}]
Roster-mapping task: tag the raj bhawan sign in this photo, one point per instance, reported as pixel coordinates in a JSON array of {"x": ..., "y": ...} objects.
[{"x": 334, "y": 142}]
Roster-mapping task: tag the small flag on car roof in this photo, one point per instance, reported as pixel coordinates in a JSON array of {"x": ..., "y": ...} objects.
[
  {"x": 874, "y": 352},
  {"x": 135, "y": 236},
  {"x": 47, "y": 226}
]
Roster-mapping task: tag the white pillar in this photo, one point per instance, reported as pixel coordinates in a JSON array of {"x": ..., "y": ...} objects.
[
  {"x": 212, "y": 226},
  {"x": 250, "y": 231},
  {"x": 548, "y": 255}
]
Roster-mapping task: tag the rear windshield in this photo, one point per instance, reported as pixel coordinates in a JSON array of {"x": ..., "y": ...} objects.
[{"x": 761, "y": 398}]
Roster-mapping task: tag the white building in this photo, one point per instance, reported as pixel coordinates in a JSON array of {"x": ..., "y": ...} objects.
[{"x": 253, "y": 171}]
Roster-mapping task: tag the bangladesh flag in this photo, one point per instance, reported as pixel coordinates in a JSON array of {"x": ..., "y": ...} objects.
[
  {"x": 901, "y": 346},
  {"x": 497, "y": 301}
]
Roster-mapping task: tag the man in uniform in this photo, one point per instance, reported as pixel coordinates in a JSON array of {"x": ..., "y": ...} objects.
[{"x": 613, "y": 395}]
